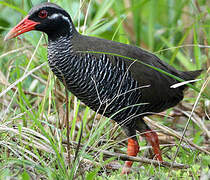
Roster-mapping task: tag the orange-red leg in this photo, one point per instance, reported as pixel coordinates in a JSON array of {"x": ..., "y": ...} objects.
[
  {"x": 133, "y": 149},
  {"x": 152, "y": 138}
]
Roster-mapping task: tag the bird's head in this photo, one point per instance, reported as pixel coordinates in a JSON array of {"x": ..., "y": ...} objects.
[{"x": 46, "y": 17}]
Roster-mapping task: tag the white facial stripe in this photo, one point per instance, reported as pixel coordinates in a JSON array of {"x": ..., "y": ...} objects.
[{"x": 55, "y": 16}]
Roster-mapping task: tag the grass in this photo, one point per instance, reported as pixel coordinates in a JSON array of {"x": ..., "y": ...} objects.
[{"x": 33, "y": 131}]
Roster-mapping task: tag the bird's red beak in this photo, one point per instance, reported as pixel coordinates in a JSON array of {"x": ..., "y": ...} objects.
[{"x": 24, "y": 26}]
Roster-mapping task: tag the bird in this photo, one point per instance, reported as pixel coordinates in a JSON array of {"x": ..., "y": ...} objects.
[{"x": 120, "y": 81}]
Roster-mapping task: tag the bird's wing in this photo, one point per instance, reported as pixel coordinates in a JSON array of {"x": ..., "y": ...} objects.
[{"x": 159, "y": 93}]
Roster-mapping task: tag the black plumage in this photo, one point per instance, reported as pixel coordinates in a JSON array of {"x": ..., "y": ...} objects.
[{"x": 125, "y": 90}]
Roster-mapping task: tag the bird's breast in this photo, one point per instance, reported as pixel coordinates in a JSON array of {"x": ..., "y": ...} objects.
[{"x": 103, "y": 86}]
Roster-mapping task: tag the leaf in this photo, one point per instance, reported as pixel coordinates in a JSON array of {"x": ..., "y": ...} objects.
[
  {"x": 14, "y": 7},
  {"x": 25, "y": 176},
  {"x": 103, "y": 8}
]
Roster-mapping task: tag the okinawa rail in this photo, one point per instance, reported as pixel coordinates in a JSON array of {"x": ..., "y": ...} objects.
[{"x": 117, "y": 80}]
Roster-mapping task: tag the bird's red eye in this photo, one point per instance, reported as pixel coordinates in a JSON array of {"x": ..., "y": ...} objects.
[{"x": 42, "y": 14}]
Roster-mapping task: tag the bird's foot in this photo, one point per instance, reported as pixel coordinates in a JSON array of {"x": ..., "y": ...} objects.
[
  {"x": 152, "y": 138},
  {"x": 133, "y": 149}
]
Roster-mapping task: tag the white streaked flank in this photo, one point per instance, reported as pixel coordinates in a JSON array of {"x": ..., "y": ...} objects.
[{"x": 183, "y": 83}]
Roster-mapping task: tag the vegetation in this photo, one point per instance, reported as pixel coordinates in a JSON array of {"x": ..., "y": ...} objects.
[{"x": 34, "y": 105}]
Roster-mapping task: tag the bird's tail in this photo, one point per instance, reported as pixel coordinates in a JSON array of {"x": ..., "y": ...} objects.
[
  {"x": 190, "y": 75},
  {"x": 187, "y": 76}
]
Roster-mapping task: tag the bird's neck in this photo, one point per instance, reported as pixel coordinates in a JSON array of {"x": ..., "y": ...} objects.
[
  {"x": 67, "y": 30},
  {"x": 60, "y": 54}
]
